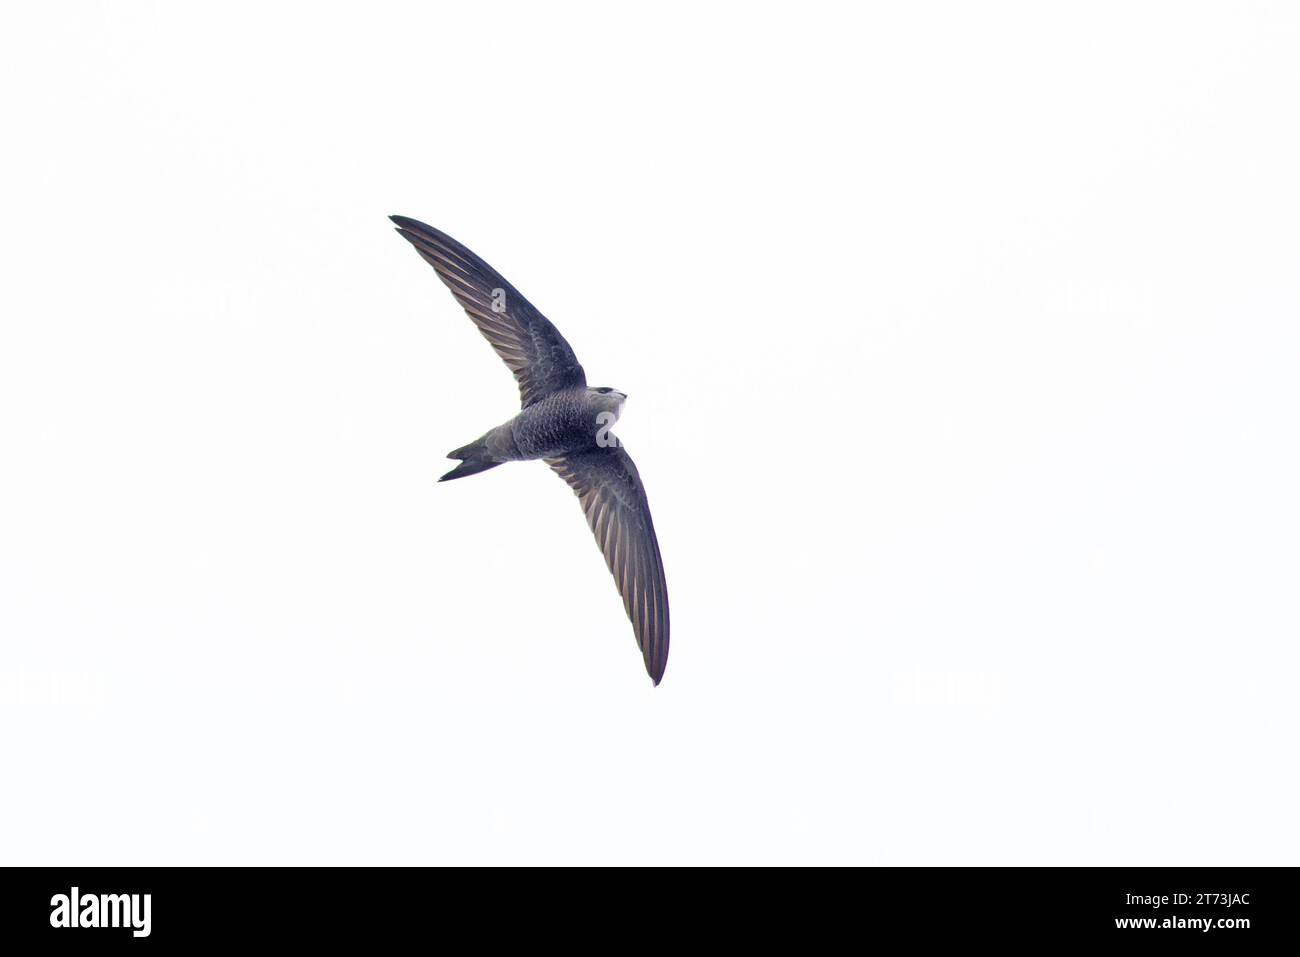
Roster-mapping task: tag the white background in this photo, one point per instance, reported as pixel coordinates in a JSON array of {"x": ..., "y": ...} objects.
[{"x": 962, "y": 349}]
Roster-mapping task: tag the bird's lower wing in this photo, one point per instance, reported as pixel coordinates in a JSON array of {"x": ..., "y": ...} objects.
[{"x": 614, "y": 501}]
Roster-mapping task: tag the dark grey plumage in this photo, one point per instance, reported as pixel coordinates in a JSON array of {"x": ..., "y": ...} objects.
[{"x": 564, "y": 422}]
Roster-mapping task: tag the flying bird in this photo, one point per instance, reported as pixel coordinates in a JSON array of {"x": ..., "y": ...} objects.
[{"x": 564, "y": 422}]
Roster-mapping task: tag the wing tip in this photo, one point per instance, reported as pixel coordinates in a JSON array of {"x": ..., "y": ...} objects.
[
  {"x": 412, "y": 230},
  {"x": 656, "y": 669},
  {"x": 413, "y": 227}
]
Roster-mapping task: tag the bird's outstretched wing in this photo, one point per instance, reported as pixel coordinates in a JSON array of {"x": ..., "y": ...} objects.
[
  {"x": 614, "y": 501},
  {"x": 524, "y": 339}
]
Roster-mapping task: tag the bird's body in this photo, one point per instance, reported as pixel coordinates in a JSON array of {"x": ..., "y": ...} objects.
[{"x": 563, "y": 421}]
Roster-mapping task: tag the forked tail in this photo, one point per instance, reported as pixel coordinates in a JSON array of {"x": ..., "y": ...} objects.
[{"x": 474, "y": 457}]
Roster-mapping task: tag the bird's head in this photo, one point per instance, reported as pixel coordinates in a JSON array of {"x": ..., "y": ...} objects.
[{"x": 606, "y": 399}]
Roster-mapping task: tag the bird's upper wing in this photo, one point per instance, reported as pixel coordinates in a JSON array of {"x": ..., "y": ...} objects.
[
  {"x": 614, "y": 501},
  {"x": 525, "y": 339}
]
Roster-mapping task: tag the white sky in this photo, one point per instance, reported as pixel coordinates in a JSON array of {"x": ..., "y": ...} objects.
[{"x": 962, "y": 353}]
